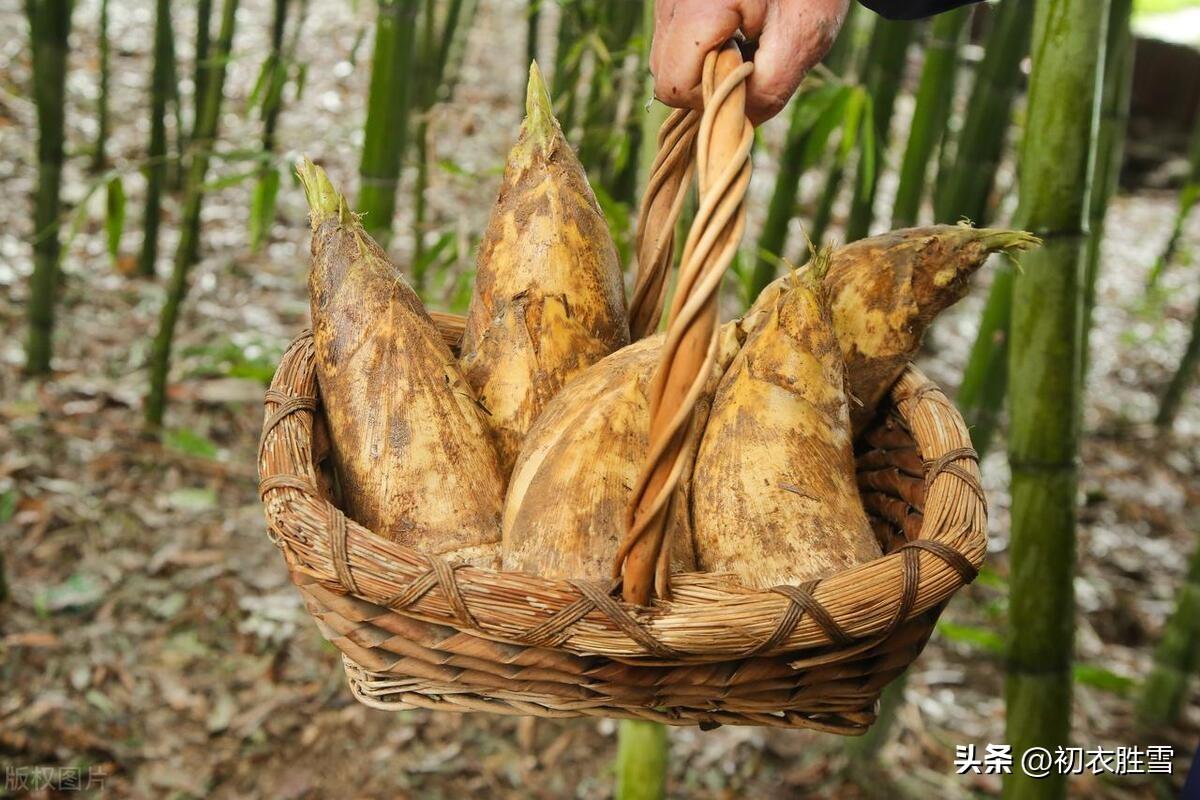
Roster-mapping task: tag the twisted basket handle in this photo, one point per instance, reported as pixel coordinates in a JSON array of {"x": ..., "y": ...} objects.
[{"x": 722, "y": 141}]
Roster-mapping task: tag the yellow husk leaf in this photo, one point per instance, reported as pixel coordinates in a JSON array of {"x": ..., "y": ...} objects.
[
  {"x": 774, "y": 496},
  {"x": 885, "y": 291},
  {"x": 414, "y": 458},
  {"x": 565, "y": 511},
  {"x": 548, "y": 298}
]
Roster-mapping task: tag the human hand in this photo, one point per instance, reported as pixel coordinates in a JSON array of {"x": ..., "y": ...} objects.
[{"x": 791, "y": 36}]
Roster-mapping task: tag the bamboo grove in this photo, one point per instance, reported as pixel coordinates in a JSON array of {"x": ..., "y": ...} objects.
[{"x": 943, "y": 106}]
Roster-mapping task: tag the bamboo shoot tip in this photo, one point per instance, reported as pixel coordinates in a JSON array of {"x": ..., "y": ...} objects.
[
  {"x": 539, "y": 112},
  {"x": 323, "y": 199}
]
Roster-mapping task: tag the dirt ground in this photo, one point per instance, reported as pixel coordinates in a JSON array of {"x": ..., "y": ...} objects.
[{"x": 152, "y": 636}]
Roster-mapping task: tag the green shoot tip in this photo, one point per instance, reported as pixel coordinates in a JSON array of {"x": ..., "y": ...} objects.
[
  {"x": 539, "y": 111},
  {"x": 323, "y": 200}
]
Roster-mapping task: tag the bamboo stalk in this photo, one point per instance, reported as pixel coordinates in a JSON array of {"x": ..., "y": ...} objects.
[
  {"x": 175, "y": 161},
  {"x": 568, "y": 62},
  {"x": 1188, "y": 197},
  {"x": 201, "y": 68},
  {"x": 601, "y": 141},
  {"x": 1172, "y": 397},
  {"x": 425, "y": 90},
  {"x": 387, "y": 115},
  {"x": 642, "y": 750},
  {"x": 156, "y": 162},
  {"x": 884, "y": 72},
  {"x": 932, "y": 111},
  {"x": 985, "y": 378},
  {"x": 436, "y": 81},
  {"x": 1046, "y": 347},
  {"x": 203, "y": 138},
  {"x": 1116, "y": 92},
  {"x": 49, "y": 27},
  {"x": 267, "y": 183},
  {"x": 273, "y": 101},
  {"x": 966, "y": 195},
  {"x": 986, "y": 124},
  {"x": 1176, "y": 657},
  {"x": 99, "y": 153}
]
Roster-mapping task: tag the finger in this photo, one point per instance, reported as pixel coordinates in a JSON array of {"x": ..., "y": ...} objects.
[
  {"x": 795, "y": 37},
  {"x": 687, "y": 30}
]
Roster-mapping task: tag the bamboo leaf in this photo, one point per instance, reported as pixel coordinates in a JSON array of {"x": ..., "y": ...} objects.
[
  {"x": 433, "y": 254},
  {"x": 856, "y": 108},
  {"x": 869, "y": 154},
  {"x": 826, "y": 124},
  {"x": 300, "y": 80},
  {"x": 979, "y": 638},
  {"x": 1103, "y": 679},
  {"x": 260, "y": 83},
  {"x": 114, "y": 214},
  {"x": 811, "y": 105},
  {"x": 262, "y": 207},
  {"x": 190, "y": 443},
  {"x": 229, "y": 180},
  {"x": 452, "y": 167},
  {"x": 274, "y": 95}
]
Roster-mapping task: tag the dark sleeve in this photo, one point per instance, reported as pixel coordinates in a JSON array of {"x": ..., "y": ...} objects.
[{"x": 912, "y": 9}]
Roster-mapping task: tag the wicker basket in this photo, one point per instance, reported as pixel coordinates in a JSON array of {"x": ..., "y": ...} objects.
[{"x": 415, "y": 631}]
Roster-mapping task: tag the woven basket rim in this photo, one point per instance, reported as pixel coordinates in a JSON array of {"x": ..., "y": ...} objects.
[{"x": 710, "y": 618}]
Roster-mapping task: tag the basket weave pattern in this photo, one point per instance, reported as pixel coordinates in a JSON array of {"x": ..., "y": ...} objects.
[{"x": 416, "y": 631}]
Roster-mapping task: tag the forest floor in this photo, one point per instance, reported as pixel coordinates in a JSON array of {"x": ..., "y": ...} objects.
[{"x": 152, "y": 634}]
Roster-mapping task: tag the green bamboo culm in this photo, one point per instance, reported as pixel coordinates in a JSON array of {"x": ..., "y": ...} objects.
[
  {"x": 49, "y": 27},
  {"x": 387, "y": 115},
  {"x": 201, "y": 69},
  {"x": 608, "y": 144},
  {"x": 1115, "y": 94},
  {"x": 1046, "y": 347},
  {"x": 642, "y": 750},
  {"x": 935, "y": 94},
  {"x": 156, "y": 161},
  {"x": 1176, "y": 658},
  {"x": 175, "y": 166},
  {"x": 573, "y": 21},
  {"x": 203, "y": 138},
  {"x": 275, "y": 77},
  {"x": 966, "y": 194},
  {"x": 421, "y": 105},
  {"x": 980, "y": 396},
  {"x": 1188, "y": 197},
  {"x": 435, "y": 82},
  {"x": 99, "y": 152},
  {"x": 882, "y": 76},
  {"x": 1185, "y": 373}
]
